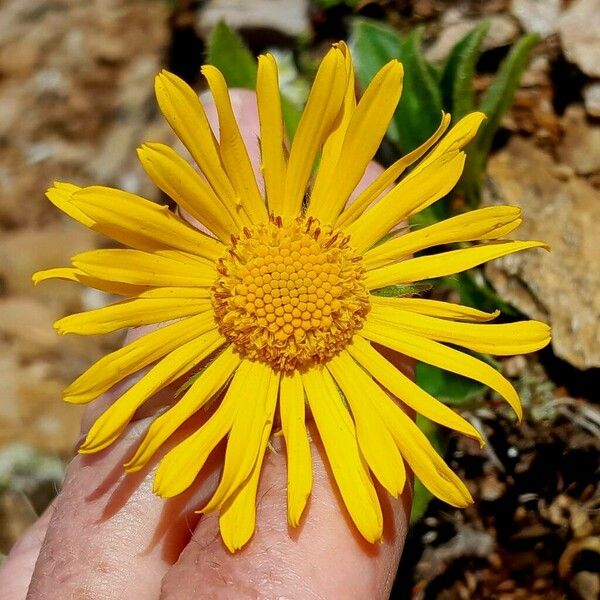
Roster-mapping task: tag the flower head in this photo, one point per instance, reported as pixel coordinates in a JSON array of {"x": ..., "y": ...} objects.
[{"x": 276, "y": 304}]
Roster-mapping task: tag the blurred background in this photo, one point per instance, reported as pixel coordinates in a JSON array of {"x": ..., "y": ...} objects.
[{"x": 76, "y": 99}]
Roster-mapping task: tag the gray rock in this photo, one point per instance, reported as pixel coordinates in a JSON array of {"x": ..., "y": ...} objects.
[
  {"x": 579, "y": 29},
  {"x": 503, "y": 30},
  {"x": 580, "y": 146},
  {"x": 591, "y": 98},
  {"x": 287, "y": 16},
  {"x": 561, "y": 287},
  {"x": 537, "y": 16}
]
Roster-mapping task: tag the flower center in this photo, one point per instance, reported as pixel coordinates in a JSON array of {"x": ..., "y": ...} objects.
[{"x": 291, "y": 293}]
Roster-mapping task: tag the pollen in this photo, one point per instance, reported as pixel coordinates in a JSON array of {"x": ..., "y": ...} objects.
[{"x": 291, "y": 293}]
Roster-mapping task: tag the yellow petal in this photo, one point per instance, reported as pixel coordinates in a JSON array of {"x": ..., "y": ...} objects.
[
  {"x": 299, "y": 461},
  {"x": 406, "y": 390},
  {"x": 133, "y": 357},
  {"x": 408, "y": 197},
  {"x": 176, "y": 178},
  {"x": 233, "y": 150},
  {"x": 183, "y": 111},
  {"x": 141, "y": 224},
  {"x": 319, "y": 117},
  {"x": 176, "y": 292},
  {"x": 500, "y": 339},
  {"x": 424, "y": 461},
  {"x": 442, "y": 264},
  {"x": 60, "y": 194},
  {"x": 247, "y": 437},
  {"x": 456, "y": 139},
  {"x": 131, "y": 313},
  {"x": 143, "y": 268},
  {"x": 338, "y": 435},
  {"x": 71, "y": 274},
  {"x": 449, "y": 359},
  {"x": 332, "y": 146},
  {"x": 488, "y": 223},
  {"x": 109, "y": 426},
  {"x": 374, "y": 439},
  {"x": 272, "y": 142},
  {"x": 436, "y": 308},
  {"x": 238, "y": 516},
  {"x": 203, "y": 389},
  {"x": 383, "y": 181},
  {"x": 180, "y": 466},
  {"x": 429, "y": 181},
  {"x": 366, "y": 129}
]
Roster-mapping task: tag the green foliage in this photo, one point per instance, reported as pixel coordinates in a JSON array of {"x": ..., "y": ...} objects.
[
  {"x": 419, "y": 110},
  {"x": 457, "y": 76},
  {"x": 450, "y": 388},
  {"x": 426, "y": 92},
  {"x": 420, "y": 107},
  {"x": 421, "y": 495},
  {"x": 332, "y": 3},
  {"x": 475, "y": 291},
  {"x": 494, "y": 103},
  {"x": 228, "y": 52},
  {"x": 397, "y": 291}
]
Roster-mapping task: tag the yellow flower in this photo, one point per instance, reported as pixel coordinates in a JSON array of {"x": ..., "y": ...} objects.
[{"x": 277, "y": 306}]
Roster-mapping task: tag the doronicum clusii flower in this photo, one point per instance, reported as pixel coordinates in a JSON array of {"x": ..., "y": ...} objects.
[{"x": 275, "y": 308}]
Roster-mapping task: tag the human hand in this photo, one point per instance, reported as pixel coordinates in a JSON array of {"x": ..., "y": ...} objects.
[{"x": 107, "y": 536}]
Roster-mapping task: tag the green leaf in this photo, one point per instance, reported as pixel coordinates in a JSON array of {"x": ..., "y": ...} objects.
[
  {"x": 419, "y": 110},
  {"x": 447, "y": 387},
  {"x": 475, "y": 291},
  {"x": 421, "y": 499},
  {"x": 457, "y": 77},
  {"x": 227, "y": 52},
  {"x": 331, "y": 3},
  {"x": 494, "y": 103},
  {"x": 397, "y": 291},
  {"x": 374, "y": 44},
  {"x": 294, "y": 90},
  {"x": 421, "y": 495},
  {"x": 499, "y": 96},
  {"x": 291, "y": 116}
]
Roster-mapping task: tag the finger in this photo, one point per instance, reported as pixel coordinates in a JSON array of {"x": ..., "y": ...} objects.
[
  {"x": 87, "y": 549},
  {"x": 323, "y": 558},
  {"x": 109, "y": 533},
  {"x": 17, "y": 568}
]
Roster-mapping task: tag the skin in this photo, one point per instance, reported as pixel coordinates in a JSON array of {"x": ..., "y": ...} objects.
[{"x": 107, "y": 537}]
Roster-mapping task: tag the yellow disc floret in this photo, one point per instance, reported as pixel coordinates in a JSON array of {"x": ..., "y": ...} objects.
[{"x": 291, "y": 293}]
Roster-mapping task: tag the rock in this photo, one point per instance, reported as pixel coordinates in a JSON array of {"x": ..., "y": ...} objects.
[
  {"x": 579, "y": 29},
  {"x": 68, "y": 72},
  {"x": 591, "y": 98},
  {"x": 561, "y": 287},
  {"x": 503, "y": 30},
  {"x": 286, "y": 16},
  {"x": 537, "y": 16},
  {"x": 31, "y": 410},
  {"x": 587, "y": 585},
  {"x": 580, "y": 146},
  {"x": 31, "y": 320},
  {"x": 537, "y": 72},
  {"x": 25, "y": 251}
]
